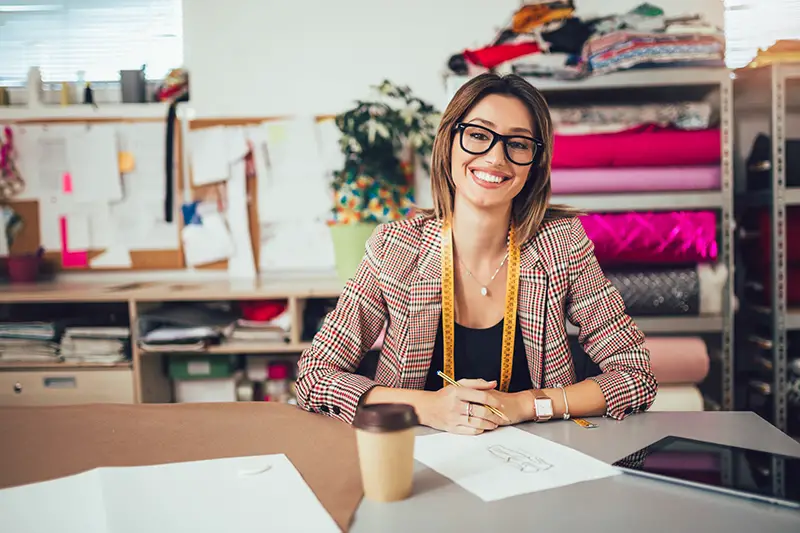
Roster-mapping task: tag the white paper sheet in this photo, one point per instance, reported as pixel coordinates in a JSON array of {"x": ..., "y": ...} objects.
[
  {"x": 116, "y": 256},
  {"x": 93, "y": 160},
  {"x": 242, "y": 264},
  {"x": 507, "y": 462},
  {"x": 72, "y": 504},
  {"x": 294, "y": 185},
  {"x": 303, "y": 246},
  {"x": 146, "y": 142},
  {"x": 79, "y": 237},
  {"x": 139, "y": 225},
  {"x": 232, "y": 494},
  {"x": 208, "y": 242},
  {"x": 210, "y": 155},
  {"x": 52, "y": 163}
]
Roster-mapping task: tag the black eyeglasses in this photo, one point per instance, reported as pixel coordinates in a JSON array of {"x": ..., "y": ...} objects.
[{"x": 519, "y": 149}]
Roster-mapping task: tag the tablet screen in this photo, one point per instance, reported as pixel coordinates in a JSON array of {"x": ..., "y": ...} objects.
[{"x": 748, "y": 472}]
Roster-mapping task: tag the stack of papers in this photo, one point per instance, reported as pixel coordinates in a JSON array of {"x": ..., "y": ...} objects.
[
  {"x": 28, "y": 342},
  {"x": 95, "y": 344},
  {"x": 257, "y": 493}
]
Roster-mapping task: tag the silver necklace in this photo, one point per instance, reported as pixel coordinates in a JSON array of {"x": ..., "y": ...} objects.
[{"x": 485, "y": 288}]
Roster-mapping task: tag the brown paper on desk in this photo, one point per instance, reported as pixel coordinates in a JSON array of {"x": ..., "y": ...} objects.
[{"x": 44, "y": 443}]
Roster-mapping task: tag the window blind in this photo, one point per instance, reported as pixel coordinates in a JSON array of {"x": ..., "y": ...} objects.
[
  {"x": 754, "y": 24},
  {"x": 98, "y": 37}
]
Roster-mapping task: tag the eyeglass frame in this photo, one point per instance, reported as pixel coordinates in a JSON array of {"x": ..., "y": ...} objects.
[{"x": 461, "y": 126}]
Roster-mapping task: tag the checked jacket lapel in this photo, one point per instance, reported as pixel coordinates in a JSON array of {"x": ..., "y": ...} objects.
[{"x": 425, "y": 308}]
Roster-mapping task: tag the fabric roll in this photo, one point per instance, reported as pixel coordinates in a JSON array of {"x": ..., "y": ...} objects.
[
  {"x": 672, "y": 237},
  {"x": 688, "y": 291},
  {"x": 678, "y": 360},
  {"x": 610, "y": 180},
  {"x": 658, "y": 292},
  {"x": 678, "y": 398},
  {"x": 642, "y": 146}
]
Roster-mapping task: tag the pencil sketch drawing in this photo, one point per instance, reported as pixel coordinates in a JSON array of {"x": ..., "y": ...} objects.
[{"x": 520, "y": 460}]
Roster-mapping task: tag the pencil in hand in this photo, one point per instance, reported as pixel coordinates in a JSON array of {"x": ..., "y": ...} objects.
[{"x": 457, "y": 384}]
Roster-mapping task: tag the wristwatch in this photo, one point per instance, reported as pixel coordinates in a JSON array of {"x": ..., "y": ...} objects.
[{"x": 542, "y": 406}]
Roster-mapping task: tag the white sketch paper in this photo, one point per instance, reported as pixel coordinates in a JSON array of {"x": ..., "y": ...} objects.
[
  {"x": 507, "y": 462},
  {"x": 231, "y": 494}
]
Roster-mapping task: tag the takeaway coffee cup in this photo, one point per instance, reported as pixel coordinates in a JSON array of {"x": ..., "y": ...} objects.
[{"x": 385, "y": 439}]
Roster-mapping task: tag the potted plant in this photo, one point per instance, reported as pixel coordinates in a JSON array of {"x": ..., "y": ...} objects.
[{"x": 381, "y": 140}]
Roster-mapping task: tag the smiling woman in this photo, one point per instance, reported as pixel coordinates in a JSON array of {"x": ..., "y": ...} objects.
[{"x": 480, "y": 288}]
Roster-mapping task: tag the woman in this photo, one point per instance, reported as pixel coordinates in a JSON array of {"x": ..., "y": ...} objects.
[{"x": 494, "y": 270}]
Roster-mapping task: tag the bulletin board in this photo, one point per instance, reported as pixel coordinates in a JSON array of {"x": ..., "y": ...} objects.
[{"x": 29, "y": 238}]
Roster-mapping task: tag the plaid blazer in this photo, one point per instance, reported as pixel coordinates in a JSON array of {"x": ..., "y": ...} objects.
[{"x": 399, "y": 281}]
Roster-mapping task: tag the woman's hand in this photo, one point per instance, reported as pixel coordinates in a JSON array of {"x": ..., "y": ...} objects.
[
  {"x": 459, "y": 409},
  {"x": 517, "y": 406}
]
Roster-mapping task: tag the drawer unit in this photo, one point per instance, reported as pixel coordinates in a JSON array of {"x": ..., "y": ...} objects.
[{"x": 64, "y": 387}]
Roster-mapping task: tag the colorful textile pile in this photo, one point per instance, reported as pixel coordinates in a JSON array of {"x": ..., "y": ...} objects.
[
  {"x": 546, "y": 39},
  {"x": 365, "y": 199}
]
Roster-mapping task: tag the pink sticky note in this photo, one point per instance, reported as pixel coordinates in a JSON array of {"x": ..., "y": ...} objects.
[
  {"x": 66, "y": 183},
  {"x": 71, "y": 259}
]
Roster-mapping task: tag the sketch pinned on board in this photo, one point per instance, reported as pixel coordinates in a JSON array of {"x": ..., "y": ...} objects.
[{"x": 520, "y": 460}]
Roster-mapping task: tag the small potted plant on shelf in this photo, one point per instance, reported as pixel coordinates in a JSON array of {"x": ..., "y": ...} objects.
[{"x": 381, "y": 140}]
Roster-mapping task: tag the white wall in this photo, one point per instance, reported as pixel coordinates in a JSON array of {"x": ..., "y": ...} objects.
[{"x": 284, "y": 57}]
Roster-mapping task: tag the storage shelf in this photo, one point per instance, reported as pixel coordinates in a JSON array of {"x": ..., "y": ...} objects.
[
  {"x": 239, "y": 347},
  {"x": 655, "y": 77},
  {"x": 642, "y": 201},
  {"x": 154, "y": 110},
  {"x": 67, "y": 365},
  {"x": 671, "y": 324},
  {"x": 763, "y": 198},
  {"x": 793, "y": 319}
]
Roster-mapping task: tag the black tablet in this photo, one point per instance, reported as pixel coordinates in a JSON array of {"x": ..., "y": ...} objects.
[{"x": 741, "y": 472}]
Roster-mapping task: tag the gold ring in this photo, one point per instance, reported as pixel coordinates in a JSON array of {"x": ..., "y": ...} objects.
[{"x": 469, "y": 411}]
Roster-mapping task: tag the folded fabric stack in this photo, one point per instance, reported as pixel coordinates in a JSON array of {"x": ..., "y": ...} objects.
[
  {"x": 546, "y": 39},
  {"x": 183, "y": 327},
  {"x": 263, "y": 321},
  {"x": 97, "y": 344},
  {"x": 28, "y": 342}
]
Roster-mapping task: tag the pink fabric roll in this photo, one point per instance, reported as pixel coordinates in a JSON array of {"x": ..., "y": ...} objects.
[
  {"x": 677, "y": 237},
  {"x": 578, "y": 181},
  {"x": 642, "y": 146},
  {"x": 678, "y": 359}
]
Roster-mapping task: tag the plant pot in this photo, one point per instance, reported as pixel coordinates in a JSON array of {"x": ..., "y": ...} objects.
[
  {"x": 23, "y": 268},
  {"x": 349, "y": 242}
]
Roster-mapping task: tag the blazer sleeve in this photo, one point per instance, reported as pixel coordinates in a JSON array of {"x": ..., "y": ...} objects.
[
  {"x": 326, "y": 382},
  {"x": 608, "y": 335}
]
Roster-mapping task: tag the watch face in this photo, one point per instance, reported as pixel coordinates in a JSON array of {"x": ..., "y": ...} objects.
[{"x": 544, "y": 408}]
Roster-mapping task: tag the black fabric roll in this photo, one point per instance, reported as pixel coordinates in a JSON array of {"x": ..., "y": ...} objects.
[{"x": 658, "y": 292}]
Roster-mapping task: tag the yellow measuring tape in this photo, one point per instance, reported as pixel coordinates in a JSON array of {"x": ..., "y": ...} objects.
[{"x": 448, "y": 306}]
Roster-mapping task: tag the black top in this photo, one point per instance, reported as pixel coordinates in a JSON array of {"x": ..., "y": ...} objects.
[{"x": 477, "y": 354}]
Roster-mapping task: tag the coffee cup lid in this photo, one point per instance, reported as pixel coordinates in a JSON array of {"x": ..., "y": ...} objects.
[{"x": 385, "y": 417}]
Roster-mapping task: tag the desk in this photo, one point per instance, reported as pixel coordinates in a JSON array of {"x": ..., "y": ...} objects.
[
  {"x": 41, "y": 443},
  {"x": 609, "y": 505}
]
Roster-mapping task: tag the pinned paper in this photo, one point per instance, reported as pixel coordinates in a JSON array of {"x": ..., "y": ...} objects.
[
  {"x": 70, "y": 259},
  {"x": 116, "y": 256},
  {"x": 126, "y": 162},
  {"x": 66, "y": 183}
]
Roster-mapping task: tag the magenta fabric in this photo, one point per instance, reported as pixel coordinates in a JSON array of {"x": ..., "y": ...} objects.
[
  {"x": 640, "y": 179},
  {"x": 643, "y": 146},
  {"x": 677, "y": 237}
]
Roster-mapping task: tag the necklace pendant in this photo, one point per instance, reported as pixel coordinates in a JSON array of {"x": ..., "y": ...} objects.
[{"x": 484, "y": 291}]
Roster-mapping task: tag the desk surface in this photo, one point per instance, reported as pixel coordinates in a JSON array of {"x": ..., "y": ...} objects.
[{"x": 612, "y": 504}]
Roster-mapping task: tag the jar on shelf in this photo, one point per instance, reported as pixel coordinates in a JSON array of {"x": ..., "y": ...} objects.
[{"x": 278, "y": 385}]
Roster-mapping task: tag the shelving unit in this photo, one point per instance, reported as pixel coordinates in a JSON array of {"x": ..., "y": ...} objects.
[
  {"x": 664, "y": 85},
  {"x": 766, "y": 91},
  {"x": 142, "y": 379}
]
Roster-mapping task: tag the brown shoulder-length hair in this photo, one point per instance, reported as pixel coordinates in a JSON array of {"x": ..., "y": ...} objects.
[{"x": 531, "y": 207}]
